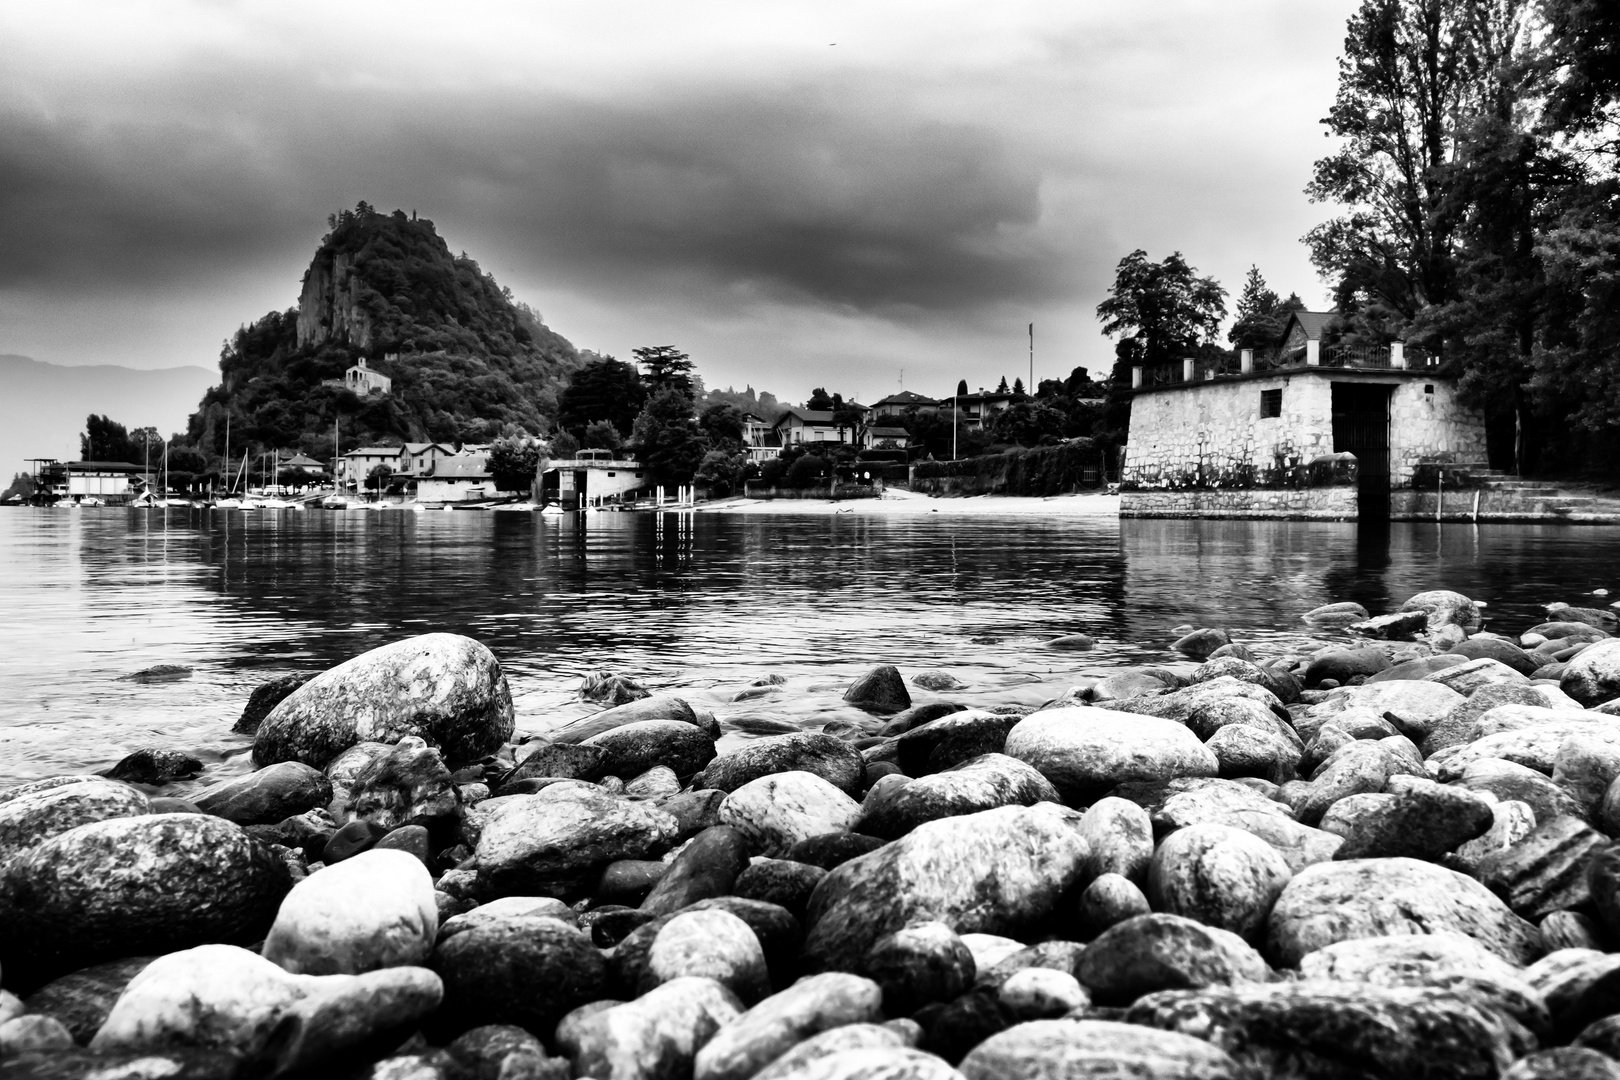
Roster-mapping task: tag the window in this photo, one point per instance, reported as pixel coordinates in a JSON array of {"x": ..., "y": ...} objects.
[{"x": 1270, "y": 403}]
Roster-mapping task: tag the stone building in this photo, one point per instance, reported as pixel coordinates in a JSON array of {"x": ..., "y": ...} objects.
[
  {"x": 365, "y": 380},
  {"x": 1325, "y": 431}
]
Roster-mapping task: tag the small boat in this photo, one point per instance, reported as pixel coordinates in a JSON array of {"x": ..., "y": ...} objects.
[{"x": 552, "y": 510}]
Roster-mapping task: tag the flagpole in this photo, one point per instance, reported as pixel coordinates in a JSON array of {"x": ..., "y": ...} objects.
[{"x": 1031, "y": 359}]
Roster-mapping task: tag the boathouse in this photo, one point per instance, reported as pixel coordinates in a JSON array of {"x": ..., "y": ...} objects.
[
  {"x": 590, "y": 478},
  {"x": 1308, "y": 429}
]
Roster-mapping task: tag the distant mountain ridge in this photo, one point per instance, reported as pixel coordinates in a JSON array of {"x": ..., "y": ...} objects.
[{"x": 43, "y": 405}]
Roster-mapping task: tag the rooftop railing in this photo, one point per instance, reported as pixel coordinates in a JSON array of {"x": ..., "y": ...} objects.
[{"x": 1396, "y": 356}]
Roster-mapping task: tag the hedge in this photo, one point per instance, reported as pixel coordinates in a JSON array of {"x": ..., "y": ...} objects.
[{"x": 1041, "y": 470}]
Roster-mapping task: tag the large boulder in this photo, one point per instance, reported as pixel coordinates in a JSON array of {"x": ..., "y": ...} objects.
[
  {"x": 777, "y": 811},
  {"x": 656, "y": 707},
  {"x": 1337, "y": 1029},
  {"x": 880, "y": 690},
  {"x": 710, "y": 944},
  {"x": 35, "y": 813},
  {"x": 1096, "y": 1048},
  {"x": 657, "y": 1035},
  {"x": 1337, "y": 901},
  {"x": 552, "y": 843},
  {"x": 920, "y": 964},
  {"x": 634, "y": 748},
  {"x": 753, "y": 1040},
  {"x": 265, "y": 697},
  {"x": 372, "y": 911},
  {"x": 1445, "y": 608},
  {"x": 1153, "y": 952},
  {"x": 445, "y": 688},
  {"x": 951, "y": 740},
  {"x": 134, "y": 886},
  {"x": 1084, "y": 751},
  {"x": 709, "y": 866},
  {"x": 524, "y": 970},
  {"x": 82, "y": 999},
  {"x": 997, "y": 871},
  {"x": 827, "y": 756},
  {"x": 1342, "y": 665},
  {"x": 267, "y": 796},
  {"x": 220, "y": 997},
  {"x": 982, "y": 783},
  {"x": 1119, "y": 834},
  {"x": 1593, "y": 675},
  {"x": 1219, "y": 875}
]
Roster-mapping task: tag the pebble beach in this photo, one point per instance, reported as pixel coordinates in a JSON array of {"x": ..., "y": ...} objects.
[{"x": 1387, "y": 854}]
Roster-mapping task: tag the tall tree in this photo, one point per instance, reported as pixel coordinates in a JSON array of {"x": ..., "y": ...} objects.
[
  {"x": 1163, "y": 308},
  {"x": 1259, "y": 323},
  {"x": 819, "y": 400},
  {"x": 604, "y": 389},
  {"x": 667, "y": 368},
  {"x": 667, "y": 438}
]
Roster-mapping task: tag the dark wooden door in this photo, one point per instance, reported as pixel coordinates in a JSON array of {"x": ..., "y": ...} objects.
[{"x": 1361, "y": 427}]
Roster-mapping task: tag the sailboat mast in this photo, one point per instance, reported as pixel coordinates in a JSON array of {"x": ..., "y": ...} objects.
[{"x": 223, "y": 476}]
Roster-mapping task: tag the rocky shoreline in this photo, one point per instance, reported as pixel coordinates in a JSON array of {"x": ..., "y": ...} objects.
[{"x": 1394, "y": 859}]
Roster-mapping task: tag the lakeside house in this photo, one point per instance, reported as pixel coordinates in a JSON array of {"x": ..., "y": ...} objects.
[
  {"x": 590, "y": 478},
  {"x": 797, "y": 426},
  {"x": 894, "y": 409},
  {"x": 760, "y": 439},
  {"x": 354, "y": 467},
  {"x": 463, "y": 477},
  {"x": 1309, "y": 429},
  {"x": 878, "y": 437}
]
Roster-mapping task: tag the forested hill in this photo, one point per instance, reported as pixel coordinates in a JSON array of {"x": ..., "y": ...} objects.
[{"x": 467, "y": 362}]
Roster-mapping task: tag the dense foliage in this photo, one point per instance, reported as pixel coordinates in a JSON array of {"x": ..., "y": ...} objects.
[
  {"x": 1479, "y": 175},
  {"x": 467, "y": 362},
  {"x": 1042, "y": 471}
]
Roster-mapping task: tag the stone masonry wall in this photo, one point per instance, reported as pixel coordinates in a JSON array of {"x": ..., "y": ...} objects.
[
  {"x": 1212, "y": 434},
  {"x": 1431, "y": 425},
  {"x": 1318, "y": 504}
]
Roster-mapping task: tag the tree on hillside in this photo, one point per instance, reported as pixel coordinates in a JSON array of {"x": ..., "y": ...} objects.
[
  {"x": 604, "y": 389},
  {"x": 1001, "y": 387},
  {"x": 1018, "y": 387},
  {"x": 1163, "y": 309},
  {"x": 1258, "y": 324},
  {"x": 667, "y": 368},
  {"x": 819, "y": 400},
  {"x": 667, "y": 439}
]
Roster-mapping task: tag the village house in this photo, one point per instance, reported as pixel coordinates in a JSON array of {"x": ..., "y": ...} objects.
[
  {"x": 417, "y": 458},
  {"x": 798, "y": 426},
  {"x": 365, "y": 380},
  {"x": 884, "y": 437},
  {"x": 895, "y": 408},
  {"x": 113, "y": 482},
  {"x": 1310, "y": 429},
  {"x": 305, "y": 465},
  {"x": 355, "y": 466},
  {"x": 760, "y": 440},
  {"x": 460, "y": 477},
  {"x": 977, "y": 409}
]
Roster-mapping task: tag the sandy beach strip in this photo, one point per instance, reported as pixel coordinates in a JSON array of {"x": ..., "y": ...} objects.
[{"x": 908, "y": 503}]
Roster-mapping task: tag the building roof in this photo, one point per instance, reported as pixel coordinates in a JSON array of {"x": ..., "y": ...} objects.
[
  {"x": 888, "y": 432},
  {"x": 105, "y": 466},
  {"x": 905, "y": 398},
  {"x": 987, "y": 396},
  {"x": 461, "y": 467},
  {"x": 1312, "y": 322},
  {"x": 808, "y": 416},
  {"x": 374, "y": 451},
  {"x": 302, "y": 461},
  {"x": 418, "y": 447}
]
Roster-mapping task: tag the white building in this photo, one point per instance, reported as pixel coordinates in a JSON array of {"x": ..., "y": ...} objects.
[{"x": 364, "y": 380}]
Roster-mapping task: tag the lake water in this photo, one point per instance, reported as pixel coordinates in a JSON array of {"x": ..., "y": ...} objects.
[{"x": 699, "y": 605}]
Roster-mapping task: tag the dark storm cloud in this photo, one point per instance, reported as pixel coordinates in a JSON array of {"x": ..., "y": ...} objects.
[
  {"x": 830, "y": 197},
  {"x": 718, "y": 174}
]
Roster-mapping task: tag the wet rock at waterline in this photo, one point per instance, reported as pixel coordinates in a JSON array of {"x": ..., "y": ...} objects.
[
  {"x": 1085, "y": 751},
  {"x": 155, "y": 767},
  {"x": 447, "y": 689},
  {"x": 880, "y": 690},
  {"x": 134, "y": 886},
  {"x": 271, "y": 794},
  {"x": 265, "y": 697}
]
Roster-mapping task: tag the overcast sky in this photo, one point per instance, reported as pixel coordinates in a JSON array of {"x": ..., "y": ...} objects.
[{"x": 798, "y": 194}]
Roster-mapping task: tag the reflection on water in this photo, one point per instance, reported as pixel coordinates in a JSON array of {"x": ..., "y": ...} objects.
[{"x": 701, "y": 605}]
